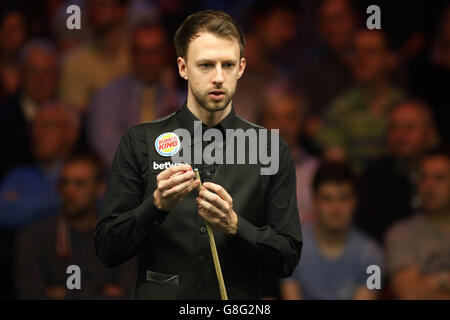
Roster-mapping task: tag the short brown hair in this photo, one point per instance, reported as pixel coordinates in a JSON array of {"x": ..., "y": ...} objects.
[
  {"x": 334, "y": 172},
  {"x": 214, "y": 21},
  {"x": 85, "y": 155}
]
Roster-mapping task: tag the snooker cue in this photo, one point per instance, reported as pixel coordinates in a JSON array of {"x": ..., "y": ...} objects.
[{"x": 212, "y": 244}]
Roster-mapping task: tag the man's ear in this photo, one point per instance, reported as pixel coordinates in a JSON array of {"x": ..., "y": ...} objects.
[
  {"x": 182, "y": 68},
  {"x": 242, "y": 65}
]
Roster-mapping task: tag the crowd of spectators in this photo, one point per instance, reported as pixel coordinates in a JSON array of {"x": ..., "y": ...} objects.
[{"x": 366, "y": 114}]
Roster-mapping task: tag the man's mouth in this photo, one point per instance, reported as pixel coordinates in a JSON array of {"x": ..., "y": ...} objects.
[{"x": 216, "y": 94}]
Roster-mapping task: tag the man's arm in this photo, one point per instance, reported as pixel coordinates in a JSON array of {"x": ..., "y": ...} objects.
[
  {"x": 126, "y": 218},
  {"x": 276, "y": 245},
  {"x": 18, "y": 205},
  {"x": 409, "y": 284},
  {"x": 405, "y": 277}
]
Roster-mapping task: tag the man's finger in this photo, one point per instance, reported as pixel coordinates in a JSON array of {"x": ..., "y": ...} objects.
[
  {"x": 214, "y": 199},
  {"x": 191, "y": 187},
  {"x": 219, "y": 190},
  {"x": 215, "y": 212},
  {"x": 208, "y": 217},
  {"x": 176, "y": 180},
  {"x": 166, "y": 174},
  {"x": 177, "y": 190}
]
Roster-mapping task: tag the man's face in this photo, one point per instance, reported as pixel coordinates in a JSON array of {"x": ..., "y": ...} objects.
[
  {"x": 102, "y": 14},
  {"x": 40, "y": 76},
  {"x": 371, "y": 57},
  {"x": 434, "y": 186},
  {"x": 212, "y": 68},
  {"x": 12, "y": 33},
  {"x": 334, "y": 205},
  {"x": 149, "y": 53},
  {"x": 284, "y": 114},
  {"x": 336, "y": 24},
  {"x": 408, "y": 132},
  {"x": 78, "y": 187},
  {"x": 49, "y": 134},
  {"x": 279, "y": 29}
]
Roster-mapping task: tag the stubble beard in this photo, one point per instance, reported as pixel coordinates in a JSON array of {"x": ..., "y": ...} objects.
[{"x": 210, "y": 105}]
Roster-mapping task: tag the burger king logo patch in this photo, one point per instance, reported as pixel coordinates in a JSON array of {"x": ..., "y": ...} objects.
[{"x": 167, "y": 144}]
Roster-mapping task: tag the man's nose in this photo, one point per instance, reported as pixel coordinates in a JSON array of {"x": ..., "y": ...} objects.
[{"x": 218, "y": 76}]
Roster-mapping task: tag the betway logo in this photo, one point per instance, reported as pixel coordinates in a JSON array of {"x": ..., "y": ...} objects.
[{"x": 164, "y": 165}]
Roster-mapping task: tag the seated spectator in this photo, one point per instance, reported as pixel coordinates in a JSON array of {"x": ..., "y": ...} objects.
[
  {"x": 355, "y": 125},
  {"x": 431, "y": 78},
  {"x": 39, "y": 72},
  {"x": 28, "y": 193},
  {"x": 101, "y": 59},
  {"x": 284, "y": 109},
  {"x": 13, "y": 34},
  {"x": 13, "y": 31},
  {"x": 144, "y": 95},
  {"x": 325, "y": 72},
  {"x": 335, "y": 255},
  {"x": 45, "y": 249},
  {"x": 272, "y": 26},
  {"x": 418, "y": 248},
  {"x": 387, "y": 188}
]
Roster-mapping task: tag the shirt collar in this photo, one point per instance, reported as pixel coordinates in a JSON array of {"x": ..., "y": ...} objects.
[{"x": 187, "y": 118}]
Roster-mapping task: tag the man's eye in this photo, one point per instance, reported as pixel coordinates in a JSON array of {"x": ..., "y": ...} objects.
[
  {"x": 228, "y": 65},
  {"x": 206, "y": 65}
]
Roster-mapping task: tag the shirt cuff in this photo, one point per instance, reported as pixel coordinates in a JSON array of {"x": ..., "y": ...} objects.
[
  {"x": 149, "y": 216},
  {"x": 246, "y": 232}
]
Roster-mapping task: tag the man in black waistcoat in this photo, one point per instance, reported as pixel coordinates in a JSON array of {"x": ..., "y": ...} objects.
[{"x": 153, "y": 209}]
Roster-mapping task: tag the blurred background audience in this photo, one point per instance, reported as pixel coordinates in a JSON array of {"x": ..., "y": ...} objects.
[
  {"x": 44, "y": 250},
  {"x": 355, "y": 123},
  {"x": 148, "y": 92},
  {"x": 418, "y": 247},
  {"x": 369, "y": 105},
  {"x": 410, "y": 134},
  {"x": 284, "y": 109},
  {"x": 335, "y": 254}
]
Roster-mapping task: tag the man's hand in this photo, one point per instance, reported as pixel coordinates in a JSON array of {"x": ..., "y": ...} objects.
[
  {"x": 217, "y": 208},
  {"x": 172, "y": 184}
]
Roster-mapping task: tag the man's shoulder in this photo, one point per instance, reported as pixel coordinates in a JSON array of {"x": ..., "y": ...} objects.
[
  {"x": 158, "y": 125},
  {"x": 405, "y": 228},
  {"x": 245, "y": 124},
  {"x": 23, "y": 173},
  {"x": 123, "y": 83},
  {"x": 364, "y": 240},
  {"x": 78, "y": 56}
]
